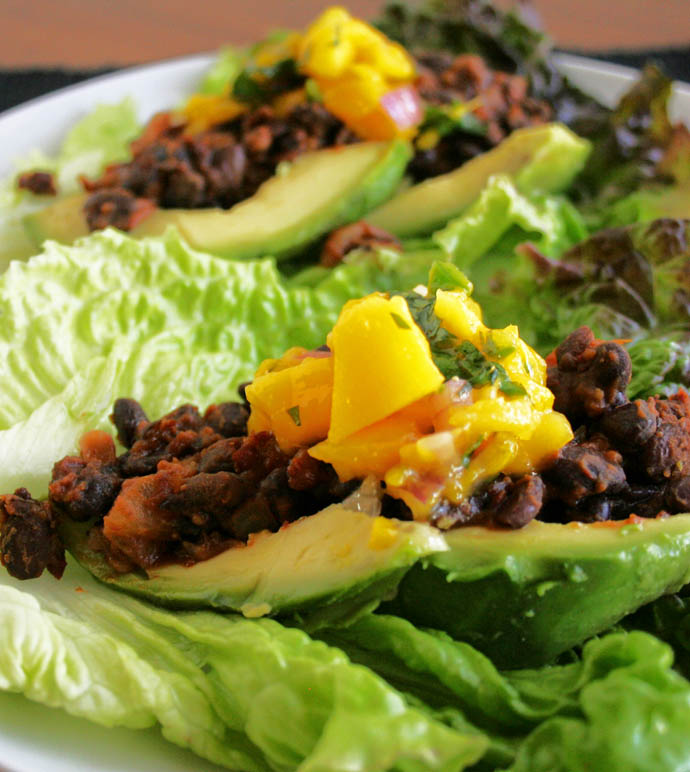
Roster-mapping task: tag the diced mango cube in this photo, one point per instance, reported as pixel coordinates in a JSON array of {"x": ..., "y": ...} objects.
[
  {"x": 295, "y": 402},
  {"x": 460, "y": 315},
  {"x": 486, "y": 416},
  {"x": 490, "y": 459},
  {"x": 372, "y": 450},
  {"x": 551, "y": 433},
  {"x": 382, "y": 363}
]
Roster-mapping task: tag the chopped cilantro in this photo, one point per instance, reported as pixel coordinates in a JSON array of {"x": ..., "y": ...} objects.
[
  {"x": 474, "y": 367},
  {"x": 493, "y": 350},
  {"x": 400, "y": 321},
  {"x": 293, "y": 412},
  {"x": 256, "y": 85},
  {"x": 472, "y": 449},
  {"x": 453, "y": 357},
  {"x": 449, "y": 118},
  {"x": 441, "y": 342}
]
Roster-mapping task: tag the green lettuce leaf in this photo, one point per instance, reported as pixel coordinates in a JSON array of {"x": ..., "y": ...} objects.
[
  {"x": 645, "y": 205},
  {"x": 101, "y": 138},
  {"x": 226, "y": 67},
  {"x": 250, "y": 695},
  {"x": 659, "y": 366},
  {"x": 633, "y": 713},
  {"x": 620, "y": 706},
  {"x": 154, "y": 320},
  {"x": 483, "y": 242},
  {"x": 500, "y": 207}
]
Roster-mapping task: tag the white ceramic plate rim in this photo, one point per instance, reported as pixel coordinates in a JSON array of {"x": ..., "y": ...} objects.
[{"x": 33, "y": 737}]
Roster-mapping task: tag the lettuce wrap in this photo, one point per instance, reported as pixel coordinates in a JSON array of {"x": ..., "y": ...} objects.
[{"x": 164, "y": 324}]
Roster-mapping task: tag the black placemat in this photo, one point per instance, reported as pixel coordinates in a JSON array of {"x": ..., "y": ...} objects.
[{"x": 17, "y": 86}]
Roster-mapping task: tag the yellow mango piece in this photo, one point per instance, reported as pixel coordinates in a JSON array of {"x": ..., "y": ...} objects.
[
  {"x": 292, "y": 357},
  {"x": 382, "y": 362},
  {"x": 486, "y": 416},
  {"x": 286, "y": 102},
  {"x": 295, "y": 402},
  {"x": 490, "y": 459},
  {"x": 205, "y": 110},
  {"x": 326, "y": 50},
  {"x": 551, "y": 433},
  {"x": 373, "y": 450},
  {"x": 433, "y": 451},
  {"x": 383, "y": 534},
  {"x": 258, "y": 421},
  {"x": 460, "y": 315},
  {"x": 389, "y": 58}
]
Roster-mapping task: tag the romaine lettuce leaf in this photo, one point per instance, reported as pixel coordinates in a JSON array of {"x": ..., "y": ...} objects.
[
  {"x": 154, "y": 320},
  {"x": 101, "y": 138},
  {"x": 73, "y": 304},
  {"x": 552, "y": 220},
  {"x": 250, "y": 695},
  {"x": 620, "y": 706},
  {"x": 634, "y": 711},
  {"x": 226, "y": 67}
]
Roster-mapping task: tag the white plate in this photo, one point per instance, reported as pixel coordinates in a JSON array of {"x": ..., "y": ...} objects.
[{"x": 38, "y": 739}]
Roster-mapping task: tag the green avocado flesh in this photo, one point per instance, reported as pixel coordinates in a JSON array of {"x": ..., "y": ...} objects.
[
  {"x": 539, "y": 159},
  {"x": 317, "y": 192},
  {"x": 523, "y": 597},
  {"x": 326, "y": 558},
  {"x": 62, "y": 221}
]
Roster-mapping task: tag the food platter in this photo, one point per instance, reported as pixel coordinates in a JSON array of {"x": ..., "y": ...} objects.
[{"x": 33, "y": 737}]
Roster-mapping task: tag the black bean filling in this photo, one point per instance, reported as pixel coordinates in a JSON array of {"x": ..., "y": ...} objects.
[
  {"x": 189, "y": 486},
  {"x": 627, "y": 458},
  {"x": 227, "y": 163}
]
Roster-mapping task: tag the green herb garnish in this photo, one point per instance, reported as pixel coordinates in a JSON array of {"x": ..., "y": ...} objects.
[
  {"x": 472, "y": 449},
  {"x": 258, "y": 85},
  {"x": 474, "y": 367},
  {"x": 449, "y": 118},
  {"x": 293, "y": 412},
  {"x": 456, "y": 358},
  {"x": 491, "y": 349},
  {"x": 400, "y": 321}
]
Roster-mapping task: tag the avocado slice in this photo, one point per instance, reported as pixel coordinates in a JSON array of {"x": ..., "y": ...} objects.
[
  {"x": 319, "y": 191},
  {"x": 62, "y": 221},
  {"x": 523, "y": 597},
  {"x": 337, "y": 556},
  {"x": 539, "y": 159}
]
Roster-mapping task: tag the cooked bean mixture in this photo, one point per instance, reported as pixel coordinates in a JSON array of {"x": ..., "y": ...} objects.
[
  {"x": 190, "y": 486},
  {"x": 357, "y": 235},
  {"x": 627, "y": 458},
  {"x": 38, "y": 183},
  {"x": 502, "y": 104},
  {"x": 174, "y": 168},
  {"x": 216, "y": 168}
]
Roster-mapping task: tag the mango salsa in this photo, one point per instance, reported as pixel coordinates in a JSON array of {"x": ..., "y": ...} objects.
[
  {"x": 293, "y": 402},
  {"x": 383, "y": 363},
  {"x": 416, "y": 391},
  {"x": 363, "y": 77},
  {"x": 370, "y": 451}
]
